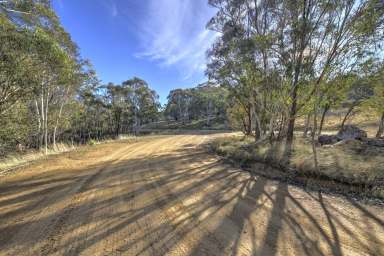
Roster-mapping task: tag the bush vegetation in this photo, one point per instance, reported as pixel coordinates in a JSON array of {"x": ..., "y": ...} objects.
[
  {"x": 49, "y": 94},
  {"x": 349, "y": 166}
]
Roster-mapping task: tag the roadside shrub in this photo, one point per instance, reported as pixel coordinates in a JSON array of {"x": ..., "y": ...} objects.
[{"x": 92, "y": 142}]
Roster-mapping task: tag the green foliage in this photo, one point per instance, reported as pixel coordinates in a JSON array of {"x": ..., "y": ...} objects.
[
  {"x": 206, "y": 101},
  {"x": 283, "y": 59},
  {"x": 376, "y": 81},
  {"x": 16, "y": 128},
  {"x": 48, "y": 93},
  {"x": 92, "y": 142}
]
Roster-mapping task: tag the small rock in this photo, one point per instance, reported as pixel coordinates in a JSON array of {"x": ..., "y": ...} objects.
[
  {"x": 351, "y": 132},
  {"x": 375, "y": 142},
  {"x": 327, "y": 139}
]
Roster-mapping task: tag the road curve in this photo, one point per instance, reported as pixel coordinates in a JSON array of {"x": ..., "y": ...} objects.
[{"x": 164, "y": 195}]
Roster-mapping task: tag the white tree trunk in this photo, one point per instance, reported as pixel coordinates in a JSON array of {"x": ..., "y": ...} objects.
[
  {"x": 42, "y": 116},
  {"x": 59, "y": 117},
  {"x": 46, "y": 125},
  {"x": 38, "y": 123},
  {"x": 56, "y": 125}
]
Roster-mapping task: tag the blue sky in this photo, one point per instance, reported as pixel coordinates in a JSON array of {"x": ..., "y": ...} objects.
[{"x": 160, "y": 41}]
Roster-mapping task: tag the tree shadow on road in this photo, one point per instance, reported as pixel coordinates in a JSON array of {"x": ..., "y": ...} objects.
[{"x": 156, "y": 205}]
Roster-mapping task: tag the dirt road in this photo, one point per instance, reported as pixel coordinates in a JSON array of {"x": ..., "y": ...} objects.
[{"x": 164, "y": 195}]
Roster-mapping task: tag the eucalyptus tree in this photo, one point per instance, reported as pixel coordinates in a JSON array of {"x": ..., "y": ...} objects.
[
  {"x": 117, "y": 104},
  {"x": 50, "y": 93},
  {"x": 205, "y": 101},
  {"x": 179, "y": 104},
  {"x": 375, "y": 101},
  {"x": 17, "y": 64},
  {"x": 78, "y": 76},
  {"x": 242, "y": 61},
  {"x": 209, "y": 101},
  {"x": 294, "y": 47},
  {"x": 144, "y": 102},
  {"x": 334, "y": 93},
  {"x": 57, "y": 71},
  {"x": 319, "y": 39},
  {"x": 39, "y": 64}
]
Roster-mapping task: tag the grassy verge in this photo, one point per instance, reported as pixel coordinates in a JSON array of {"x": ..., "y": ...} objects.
[
  {"x": 352, "y": 167},
  {"x": 21, "y": 159}
]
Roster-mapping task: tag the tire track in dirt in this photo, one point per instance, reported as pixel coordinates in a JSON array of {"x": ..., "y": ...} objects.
[
  {"x": 60, "y": 226},
  {"x": 159, "y": 206},
  {"x": 124, "y": 202},
  {"x": 181, "y": 220},
  {"x": 138, "y": 223},
  {"x": 164, "y": 217},
  {"x": 51, "y": 225}
]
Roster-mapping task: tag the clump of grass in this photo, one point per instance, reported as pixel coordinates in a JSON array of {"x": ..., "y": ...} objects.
[{"x": 92, "y": 142}]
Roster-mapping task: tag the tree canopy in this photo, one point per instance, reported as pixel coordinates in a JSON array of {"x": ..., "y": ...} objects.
[{"x": 283, "y": 59}]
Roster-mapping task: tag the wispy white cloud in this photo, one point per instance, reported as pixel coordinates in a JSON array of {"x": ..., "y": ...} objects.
[{"x": 174, "y": 34}]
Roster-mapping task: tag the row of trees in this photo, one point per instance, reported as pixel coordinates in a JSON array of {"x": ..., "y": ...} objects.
[
  {"x": 115, "y": 109},
  {"x": 284, "y": 59},
  {"x": 49, "y": 93},
  {"x": 206, "y": 101},
  {"x": 39, "y": 70}
]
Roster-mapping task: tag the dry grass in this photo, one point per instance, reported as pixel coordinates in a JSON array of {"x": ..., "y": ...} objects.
[
  {"x": 366, "y": 120},
  {"x": 352, "y": 163},
  {"x": 20, "y": 159},
  {"x": 215, "y": 124}
]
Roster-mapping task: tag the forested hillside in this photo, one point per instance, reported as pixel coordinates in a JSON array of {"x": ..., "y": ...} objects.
[
  {"x": 204, "y": 102},
  {"x": 50, "y": 94}
]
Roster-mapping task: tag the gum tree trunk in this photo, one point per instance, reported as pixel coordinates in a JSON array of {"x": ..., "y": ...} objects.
[
  {"x": 380, "y": 131},
  {"x": 325, "y": 110}
]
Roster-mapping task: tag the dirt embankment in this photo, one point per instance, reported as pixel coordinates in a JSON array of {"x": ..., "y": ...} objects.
[{"x": 166, "y": 196}]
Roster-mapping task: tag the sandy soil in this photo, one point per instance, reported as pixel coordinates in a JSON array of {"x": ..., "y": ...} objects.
[{"x": 165, "y": 196}]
